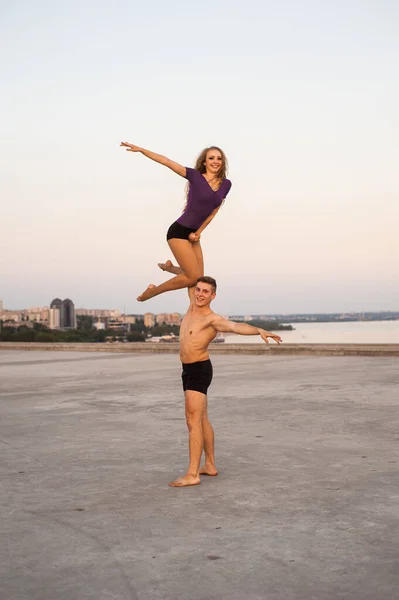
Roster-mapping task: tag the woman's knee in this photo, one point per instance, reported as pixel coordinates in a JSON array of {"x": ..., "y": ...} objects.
[
  {"x": 192, "y": 278},
  {"x": 191, "y": 281}
]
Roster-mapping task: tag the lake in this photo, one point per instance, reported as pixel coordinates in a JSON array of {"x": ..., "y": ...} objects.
[{"x": 357, "y": 332}]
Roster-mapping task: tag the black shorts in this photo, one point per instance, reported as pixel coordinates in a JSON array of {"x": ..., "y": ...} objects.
[
  {"x": 197, "y": 376},
  {"x": 179, "y": 231}
]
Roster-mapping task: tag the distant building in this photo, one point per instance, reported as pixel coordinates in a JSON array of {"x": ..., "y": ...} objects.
[
  {"x": 168, "y": 318},
  {"x": 56, "y": 303},
  {"x": 175, "y": 318},
  {"x": 69, "y": 314},
  {"x": 1, "y": 305},
  {"x": 62, "y": 314},
  {"x": 11, "y": 315},
  {"x": 38, "y": 315},
  {"x": 149, "y": 320},
  {"x": 118, "y": 325},
  {"x": 56, "y": 313},
  {"x": 97, "y": 312},
  {"x": 54, "y": 318},
  {"x": 129, "y": 319}
]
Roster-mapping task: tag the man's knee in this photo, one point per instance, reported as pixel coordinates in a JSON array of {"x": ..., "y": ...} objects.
[
  {"x": 193, "y": 422},
  {"x": 194, "y": 418},
  {"x": 206, "y": 425}
]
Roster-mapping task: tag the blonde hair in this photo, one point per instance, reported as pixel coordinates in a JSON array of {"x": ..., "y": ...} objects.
[{"x": 200, "y": 167}]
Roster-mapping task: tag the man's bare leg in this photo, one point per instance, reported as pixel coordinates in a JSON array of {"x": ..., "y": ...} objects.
[
  {"x": 209, "y": 467},
  {"x": 195, "y": 407}
]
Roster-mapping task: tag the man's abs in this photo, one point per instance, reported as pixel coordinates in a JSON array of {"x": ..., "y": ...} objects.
[{"x": 190, "y": 353}]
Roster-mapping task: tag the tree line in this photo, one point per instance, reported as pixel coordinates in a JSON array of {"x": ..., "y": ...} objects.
[{"x": 86, "y": 332}]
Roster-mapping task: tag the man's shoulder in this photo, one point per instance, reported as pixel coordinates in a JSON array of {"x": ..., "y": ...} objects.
[{"x": 214, "y": 317}]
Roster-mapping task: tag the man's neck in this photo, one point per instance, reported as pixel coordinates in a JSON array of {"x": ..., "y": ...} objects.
[{"x": 201, "y": 311}]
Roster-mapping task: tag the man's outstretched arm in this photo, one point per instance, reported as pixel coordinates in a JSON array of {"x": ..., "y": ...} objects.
[{"x": 224, "y": 325}]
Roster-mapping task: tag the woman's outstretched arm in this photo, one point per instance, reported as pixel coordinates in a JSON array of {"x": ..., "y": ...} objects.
[{"x": 162, "y": 160}]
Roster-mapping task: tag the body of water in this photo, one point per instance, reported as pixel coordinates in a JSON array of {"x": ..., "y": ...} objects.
[{"x": 358, "y": 332}]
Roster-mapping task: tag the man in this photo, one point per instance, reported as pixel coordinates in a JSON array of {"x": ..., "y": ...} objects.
[{"x": 198, "y": 328}]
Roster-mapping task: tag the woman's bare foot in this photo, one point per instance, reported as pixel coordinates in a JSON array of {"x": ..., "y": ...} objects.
[
  {"x": 147, "y": 294},
  {"x": 207, "y": 470},
  {"x": 185, "y": 481},
  {"x": 170, "y": 267}
]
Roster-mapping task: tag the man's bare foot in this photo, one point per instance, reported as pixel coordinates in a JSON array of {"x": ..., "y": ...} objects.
[
  {"x": 170, "y": 267},
  {"x": 147, "y": 294},
  {"x": 185, "y": 481},
  {"x": 205, "y": 470}
]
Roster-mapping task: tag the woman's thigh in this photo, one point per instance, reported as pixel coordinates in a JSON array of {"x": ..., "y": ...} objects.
[
  {"x": 184, "y": 254},
  {"x": 200, "y": 257}
]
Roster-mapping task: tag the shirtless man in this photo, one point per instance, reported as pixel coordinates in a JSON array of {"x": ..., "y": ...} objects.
[{"x": 198, "y": 328}]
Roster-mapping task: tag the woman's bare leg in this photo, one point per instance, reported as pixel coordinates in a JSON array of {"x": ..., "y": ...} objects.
[
  {"x": 200, "y": 261},
  {"x": 169, "y": 267},
  {"x": 185, "y": 256},
  {"x": 199, "y": 256}
]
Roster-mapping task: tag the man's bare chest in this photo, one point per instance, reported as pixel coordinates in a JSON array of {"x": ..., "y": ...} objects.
[{"x": 192, "y": 326}]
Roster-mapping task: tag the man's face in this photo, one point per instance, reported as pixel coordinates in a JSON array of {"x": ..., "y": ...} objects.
[{"x": 204, "y": 294}]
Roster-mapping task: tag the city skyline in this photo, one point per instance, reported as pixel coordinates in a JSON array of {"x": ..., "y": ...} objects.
[
  {"x": 151, "y": 317},
  {"x": 301, "y": 98}
]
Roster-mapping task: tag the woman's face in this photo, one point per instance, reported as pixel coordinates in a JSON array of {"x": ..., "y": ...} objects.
[{"x": 213, "y": 162}]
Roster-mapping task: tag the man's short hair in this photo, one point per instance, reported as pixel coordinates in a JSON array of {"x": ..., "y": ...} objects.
[{"x": 209, "y": 280}]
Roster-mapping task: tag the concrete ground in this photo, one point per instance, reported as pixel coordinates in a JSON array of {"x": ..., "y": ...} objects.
[{"x": 306, "y": 505}]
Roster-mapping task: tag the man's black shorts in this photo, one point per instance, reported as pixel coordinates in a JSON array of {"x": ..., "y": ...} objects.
[{"x": 197, "y": 376}]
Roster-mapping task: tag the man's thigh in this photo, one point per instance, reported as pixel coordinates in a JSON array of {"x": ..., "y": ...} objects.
[{"x": 195, "y": 402}]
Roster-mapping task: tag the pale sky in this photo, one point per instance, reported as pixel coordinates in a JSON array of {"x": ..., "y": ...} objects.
[{"x": 303, "y": 97}]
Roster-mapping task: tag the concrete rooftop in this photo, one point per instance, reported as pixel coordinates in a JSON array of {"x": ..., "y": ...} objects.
[{"x": 306, "y": 505}]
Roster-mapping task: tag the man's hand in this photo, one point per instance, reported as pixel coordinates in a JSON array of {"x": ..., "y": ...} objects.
[
  {"x": 194, "y": 237},
  {"x": 131, "y": 147},
  {"x": 266, "y": 334}
]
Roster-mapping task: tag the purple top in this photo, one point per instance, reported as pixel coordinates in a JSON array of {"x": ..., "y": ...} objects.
[{"x": 202, "y": 199}]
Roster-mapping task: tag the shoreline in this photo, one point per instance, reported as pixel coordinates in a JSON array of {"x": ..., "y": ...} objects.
[{"x": 386, "y": 350}]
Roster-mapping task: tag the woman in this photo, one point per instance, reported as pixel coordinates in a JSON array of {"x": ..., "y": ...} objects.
[{"x": 208, "y": 187}]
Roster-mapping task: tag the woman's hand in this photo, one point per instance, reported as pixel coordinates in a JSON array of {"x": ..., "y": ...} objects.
[
  {"x": 162, "y": 160},
  {"x": 194, "y": 237},
  {"x": 131, "y": 147}
]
